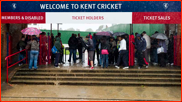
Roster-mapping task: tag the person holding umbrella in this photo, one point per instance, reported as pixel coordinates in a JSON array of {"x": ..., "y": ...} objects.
[
  {"x": 118, "y": 34},
  {"x": 123, "y": 53},
  {"x": 105, "y": 49},
  {"x": 99, "y": 39},
  {"x": 34, "y": 49},
  {"x": 154, "y": 45},
  {"x": 140, "y": 46},
  {"x": 34, "y": 52},
  {"x": 162, "y": 50}
]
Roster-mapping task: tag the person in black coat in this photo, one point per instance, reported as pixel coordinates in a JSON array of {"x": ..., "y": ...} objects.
[
  {"x": 105, "y": 46},
  {"x": 73, "y": 44},
  {"x": 79, "y": 38},
  {"x": 21, "y": 46},
  {"x": 171, "y": 50},
  {"x": 140, "y": 46},
  {"x": 113, "y": 48}
]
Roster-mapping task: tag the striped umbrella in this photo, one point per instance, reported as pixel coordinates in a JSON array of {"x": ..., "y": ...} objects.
[{"x": 31, "y": 31}]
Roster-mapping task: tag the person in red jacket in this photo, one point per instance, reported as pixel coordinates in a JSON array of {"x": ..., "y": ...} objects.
[
  {"x": 90, "y": 35},
  {"x": 44, "y": 47}
]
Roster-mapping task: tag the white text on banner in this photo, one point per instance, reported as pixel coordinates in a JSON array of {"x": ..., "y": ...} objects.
[{"x": 91, "y": 17}]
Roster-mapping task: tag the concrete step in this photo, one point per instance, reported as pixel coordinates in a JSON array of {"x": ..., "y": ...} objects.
[
  {"x": 100, "y": 70},
  {"x": 113, "y": 83},
  {"x": 93, "y": 78},
  {"x": 98, "y": 74}
]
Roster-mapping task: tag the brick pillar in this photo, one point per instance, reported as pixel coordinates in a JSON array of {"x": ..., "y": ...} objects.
[
  {"x": 3, "y": 45},
  {"x": 15, "y": 31}
]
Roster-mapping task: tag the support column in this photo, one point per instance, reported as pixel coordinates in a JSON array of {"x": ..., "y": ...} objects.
[
  {"x": 57, "y": 28},
  {"x": 131, "y": 28},
  {"x": 51, "y": 28},
  {"x": 167, "y": 30}
]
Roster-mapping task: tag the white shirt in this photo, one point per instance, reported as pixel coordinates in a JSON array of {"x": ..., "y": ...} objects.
[
  {"x": 122, "y": 45},
  {"x": 147, "y": 39}
]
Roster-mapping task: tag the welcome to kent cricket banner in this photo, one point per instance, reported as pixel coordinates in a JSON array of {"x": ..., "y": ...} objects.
[{"x": 126, "y": 12}]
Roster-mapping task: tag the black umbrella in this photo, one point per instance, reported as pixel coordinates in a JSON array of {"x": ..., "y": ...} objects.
[
  {"x": 119, "y": 34},
  {"x": 99, "y": 35}
]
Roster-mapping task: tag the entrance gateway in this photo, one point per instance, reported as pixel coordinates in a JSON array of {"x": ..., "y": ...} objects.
[{"x": 113, "y": 12}]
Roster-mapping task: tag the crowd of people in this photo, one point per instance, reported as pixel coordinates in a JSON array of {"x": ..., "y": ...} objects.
[
  {"x": 33, "y": 47},
  {"x": 115, "y": 51},
  {"x": 109, "y": 50}
]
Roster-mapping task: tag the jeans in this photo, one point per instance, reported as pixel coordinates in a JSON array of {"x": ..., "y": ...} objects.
[
  {"x": 72, "y": 51},
  {"x": 104, "y": 60},
  {"x": 33, "y": 58},
  {"x": 57, "y": 57},
  {"x": 21, "y": 56}
]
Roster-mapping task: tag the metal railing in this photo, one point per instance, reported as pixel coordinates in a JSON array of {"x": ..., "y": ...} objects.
[{"x": 8, "y": 66}]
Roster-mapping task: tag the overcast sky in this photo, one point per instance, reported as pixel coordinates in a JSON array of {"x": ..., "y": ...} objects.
[{"x": 81, "y": 27}]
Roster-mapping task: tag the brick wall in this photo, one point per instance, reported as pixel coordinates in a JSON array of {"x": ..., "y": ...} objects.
[{"x": 15, "y": 31}]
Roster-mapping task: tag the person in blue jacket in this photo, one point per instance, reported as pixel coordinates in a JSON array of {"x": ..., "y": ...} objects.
[{"x": 140, "y": 46}]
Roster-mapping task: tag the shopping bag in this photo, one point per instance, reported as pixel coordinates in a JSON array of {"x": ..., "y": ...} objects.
[{"x": 160, "y": 50}]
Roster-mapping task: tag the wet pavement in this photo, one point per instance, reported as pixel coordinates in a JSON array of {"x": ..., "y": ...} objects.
[{"x": 60, "y": 93}]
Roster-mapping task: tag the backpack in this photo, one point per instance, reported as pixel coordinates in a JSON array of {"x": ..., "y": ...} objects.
[
  {"x": 35, "y": 45},
  {"x": 54, "y": 50}
]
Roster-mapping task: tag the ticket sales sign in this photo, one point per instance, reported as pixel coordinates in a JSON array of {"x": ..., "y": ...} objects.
[{"x": 126, "y": 12}]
